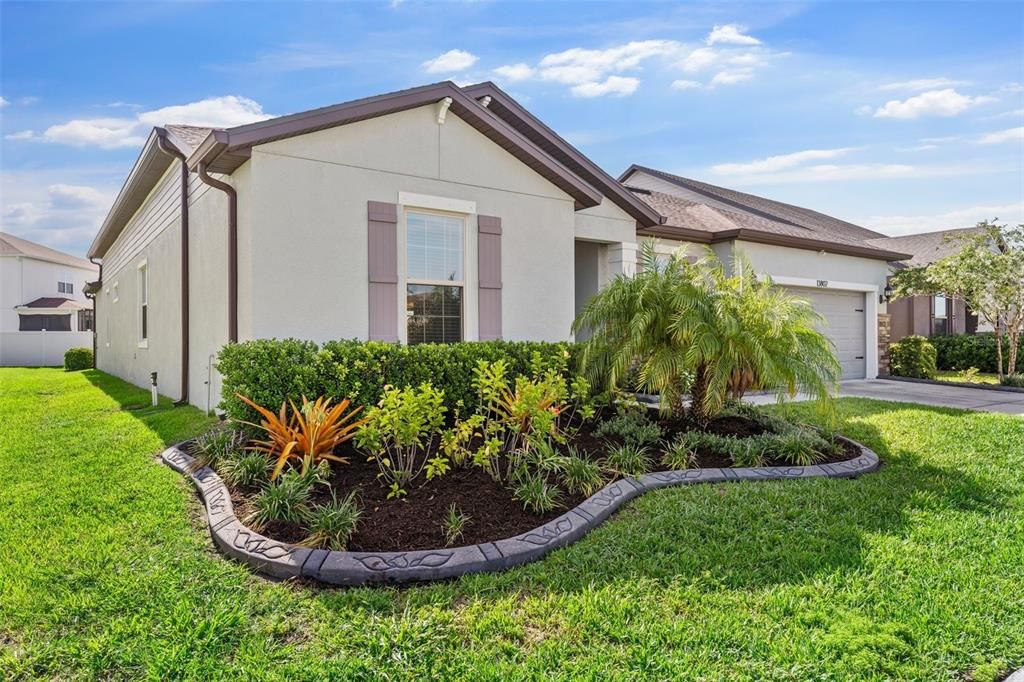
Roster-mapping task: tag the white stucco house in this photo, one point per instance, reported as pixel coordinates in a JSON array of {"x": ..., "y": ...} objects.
[
  {"x": 43, "y": 307},
  {"x": 437, "y": 213}
]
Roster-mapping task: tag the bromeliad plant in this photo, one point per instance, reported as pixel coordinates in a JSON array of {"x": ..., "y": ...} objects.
[
  {"x": 307, "y": 435},
  {"x": 401, "y": 434}
]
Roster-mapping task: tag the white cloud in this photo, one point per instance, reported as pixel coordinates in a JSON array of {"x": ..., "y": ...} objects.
[
  {"x": 731, "y": 34},
  {"x": 577, "y": 65},
  {"x": 947, "y": 102},
  {"x": 685, "y": 85},
  {"x": 515, "y": 72},
  {"x": 923, "y": 84},
  {"x": 106, "y": 133},
  {"x": 699, "y": 60},
  {"x": 831, "y": 173},
  {"x": 1015, "y": 113},
  {"x": 781, "y": 162},
  {"x": 895, "y": 225},
  {"x": 732, "y": 77},
  {"x": 613, "y": 85},
  {"x": 28, "y": 100},
  {"x": 1010, "y": 88},
  {"x": 450, "y": 61},
  {"x": 119, "y": 132},
  {"x": 1000, "y": 136},
  {"x": 917, "y": 148},
  {"x": 3, "y": 102},
  {"x": 76, "y": 196},
  {"x": 20, "y": 135},
  {"x": 214, "y": 112}
]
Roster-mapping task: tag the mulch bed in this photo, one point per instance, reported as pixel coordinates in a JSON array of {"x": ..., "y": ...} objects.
[{"x": 415, "y": 521}]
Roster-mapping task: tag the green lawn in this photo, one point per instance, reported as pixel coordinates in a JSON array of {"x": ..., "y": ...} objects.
[
  {"x": 914, "y": 573},
  {"x": 979, "y": 378}
]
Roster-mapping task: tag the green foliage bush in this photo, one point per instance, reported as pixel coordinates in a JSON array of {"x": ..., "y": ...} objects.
[
  {"x": 962, "y": 351},
  {"x": 77, "y": 358},
  {"x": 632, "y": 427},
  {"x": 1014, "y": 380},
  {"x": 912, "y": 357},
  {"x": 270, "y": 371}
]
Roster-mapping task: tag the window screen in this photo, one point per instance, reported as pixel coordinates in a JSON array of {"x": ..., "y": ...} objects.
[{"x": 51, "y": 323}]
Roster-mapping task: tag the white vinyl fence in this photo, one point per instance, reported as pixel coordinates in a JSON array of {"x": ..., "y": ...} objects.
[{"x": 39, "y": 349}]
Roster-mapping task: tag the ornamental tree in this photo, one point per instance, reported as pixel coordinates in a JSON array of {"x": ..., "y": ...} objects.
[{"x": 987, "y": 273}]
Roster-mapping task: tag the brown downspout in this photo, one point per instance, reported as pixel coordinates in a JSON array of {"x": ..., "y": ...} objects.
[
  {"x": 232, "y": 248},
  {"x": 95, "y": 313},
  {"x": 168, "y": 149}
]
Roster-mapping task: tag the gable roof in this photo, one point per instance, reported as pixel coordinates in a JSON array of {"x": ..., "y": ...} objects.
[
  {"x": 705, "y": 223},
  {"x": 16, "y": 246},
  {"x": 507, "y": 109},
  {"x": 767, "y": 208},
  {"x": 224, "y": 150},
  {"x": 927, "y": 247},
  {"x": 55, "y": 303}
]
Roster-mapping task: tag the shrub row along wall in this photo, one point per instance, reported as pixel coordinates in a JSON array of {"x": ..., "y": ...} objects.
[
  {"x": 962, "y": 351},
  {"x": 270, "y": 371}
]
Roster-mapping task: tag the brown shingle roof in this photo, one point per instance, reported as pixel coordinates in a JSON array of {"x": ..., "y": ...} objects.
[
  {"x": 54, "y": 302},
  {"x": 798, "y": 216},
  {"x": 189, "y": 136},
  {"x": 16, "y": 246},
  {"x": 926, "y": 247}
]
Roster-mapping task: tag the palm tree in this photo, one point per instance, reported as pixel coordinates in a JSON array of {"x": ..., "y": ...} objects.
[{"x": 691, "y": 328}]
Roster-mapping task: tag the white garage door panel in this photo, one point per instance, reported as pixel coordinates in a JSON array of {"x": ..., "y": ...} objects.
[{"x": 844, "y": 324}]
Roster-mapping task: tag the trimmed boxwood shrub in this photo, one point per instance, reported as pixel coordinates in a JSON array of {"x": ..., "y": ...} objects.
[
  {"x": 272, "y": 370},
  {"x": 962, "y": 351},
  {"x": 77, "y": 358},
  {"x": 914, "y": 357}
]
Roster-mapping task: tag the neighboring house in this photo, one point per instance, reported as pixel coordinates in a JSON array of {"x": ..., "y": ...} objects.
[
  {"x": 928, "y": 315},
  {"x": 43, "y": 307},
  {"x": 437, "y": 213},
  {"x": 823, "y": 259}
]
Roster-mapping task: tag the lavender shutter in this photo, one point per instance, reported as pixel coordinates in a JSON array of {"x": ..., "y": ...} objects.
[
  {"x": 489, "y": 274},
  {"x": 382, "y": 226}
]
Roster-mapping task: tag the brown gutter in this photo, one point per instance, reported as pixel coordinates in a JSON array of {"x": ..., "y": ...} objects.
[
  {"x": 232, "y": 247},
  {"x": 169, "y": 149},
  {"x": 95, "y": 313}
]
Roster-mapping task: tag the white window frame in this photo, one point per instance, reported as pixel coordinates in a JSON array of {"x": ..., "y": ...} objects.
[
  {"x": 945, "y": 312},
  {"x": 116, "y": 296},
  {"x": 407, "y": 281},
  {"x": 143, "y": 304}
]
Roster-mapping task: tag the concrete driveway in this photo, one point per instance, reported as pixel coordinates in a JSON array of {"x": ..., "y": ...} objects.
[{"x": 984, "y": 400}]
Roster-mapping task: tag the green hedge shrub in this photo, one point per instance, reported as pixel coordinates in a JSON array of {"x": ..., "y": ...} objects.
[
  {"x": 913, "y": 357},
  {"x": 272, "y": 370},
  {"x": 960, "y": 351},
  {"x": 77, "y": 358},
  {"x": 1013, "y": 380}
]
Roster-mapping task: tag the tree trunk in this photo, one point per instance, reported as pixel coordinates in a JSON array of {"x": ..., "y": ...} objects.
[
  {"x": 1011, "y": 365},
  {"x": 698, "y": 392},
  {"x": 999, "y": 352}
]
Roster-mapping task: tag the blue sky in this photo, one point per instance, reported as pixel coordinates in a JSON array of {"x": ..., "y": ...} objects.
[{"x": 904, "y": 117}]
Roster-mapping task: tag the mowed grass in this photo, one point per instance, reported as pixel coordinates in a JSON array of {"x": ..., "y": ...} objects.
[
  {"x": 914, "y": 573},
  {"x": 979, "y": 378}
]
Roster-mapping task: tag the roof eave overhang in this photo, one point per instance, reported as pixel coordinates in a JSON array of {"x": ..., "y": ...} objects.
[
  {"x": 644, "y": 214},
  {"x": 149, "y": 167},
  {"x": 223, "y": 151}
]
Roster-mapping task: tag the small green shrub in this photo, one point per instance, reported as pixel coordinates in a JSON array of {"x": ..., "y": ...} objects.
[
  {"x": 631, "y": 427},
  {"x": 679, "y": 454},
  {"x": 1015, "y": 380},
  {"x": 799, "y": 448},
  {"x": 968, "y": 375},
  {"x": 247, "y": 469},
  {"x": 78, "y": 358},
  {"x": 453, "y": 525},
  {"x": 214, "y": 447},
  {"x": 332, "y": 524},
  {"x": 402, "y": 432},
  {"x": 581, "y": 476},
  {"x": 536, "y": 494},
  {"x": 912, "y": 357},
  {"x": 628, "y": 460},
  {"x": 285, "y": 500},
  {"x": 747, "y": 452}
]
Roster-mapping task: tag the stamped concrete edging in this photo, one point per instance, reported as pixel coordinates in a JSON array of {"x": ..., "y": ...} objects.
[
  {"x": 954, "y": 384},
  {"x": 283, "y": 560}
]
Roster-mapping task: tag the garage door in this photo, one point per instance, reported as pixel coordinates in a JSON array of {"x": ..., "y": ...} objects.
[{"x": 844, "y": 324}]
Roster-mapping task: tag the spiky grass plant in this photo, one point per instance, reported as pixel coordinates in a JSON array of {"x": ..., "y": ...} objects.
[
  {"x": 332, "y": 524},
  {"x": 679, "y": 454},
  {"x": 536, "y": 494},
  {"x": 248, "y": 469},
  {"x": 628, "y": 460},
  {"x": 285, "y": 500},
  {"x": 453, "y": 525},
  {"x": 214, "y": 447},
  {"x": 581, "y": 476}
]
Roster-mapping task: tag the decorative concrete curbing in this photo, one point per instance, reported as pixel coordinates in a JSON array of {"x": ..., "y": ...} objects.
[{"x": 283, "y": 560}]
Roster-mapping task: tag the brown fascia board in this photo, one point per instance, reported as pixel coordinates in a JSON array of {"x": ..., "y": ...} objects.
[
  {"x": 225, "y": 150},
  {"x": 770, "y": 238},
  {"x": 148, "y": 169},
  {"x": 508, "y": 109}
]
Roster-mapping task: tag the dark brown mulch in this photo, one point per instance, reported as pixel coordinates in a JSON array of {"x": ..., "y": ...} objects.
[{"x": 415, "y": 521}]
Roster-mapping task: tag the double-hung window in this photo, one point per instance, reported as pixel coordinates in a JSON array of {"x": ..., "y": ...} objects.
[
  {"x": 65, "y": 287},
  {"x": 435, "y": 277},
  {"x": 940, "y": 316},
  {"x": 143, "y": 304}
]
